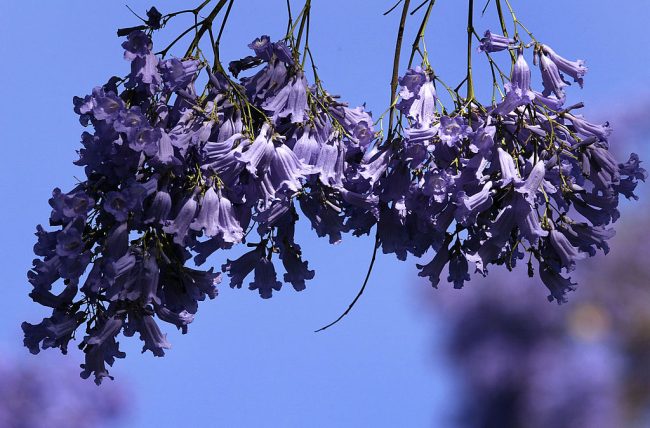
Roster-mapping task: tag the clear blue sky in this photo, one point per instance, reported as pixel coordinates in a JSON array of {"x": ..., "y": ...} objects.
[{"x": 248, "y": 362}]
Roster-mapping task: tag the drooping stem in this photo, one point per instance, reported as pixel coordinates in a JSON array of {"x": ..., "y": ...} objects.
[
  {"x": 363, "y": 287},
  {"x": 290, "y": 18},
  {"x": 305, "y": 13},
  {"x": 398, "y": 50},
  {"x": 470, "y": 32},
  {"x": 421, "y": 30},
  {"x": 223, "y": 23},
  {"x": 504, "y": 27},
  {"x": 502, "y": 21}
]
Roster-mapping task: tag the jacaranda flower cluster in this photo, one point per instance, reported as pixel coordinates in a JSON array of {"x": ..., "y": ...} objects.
[{"x": 177, "y": 170}]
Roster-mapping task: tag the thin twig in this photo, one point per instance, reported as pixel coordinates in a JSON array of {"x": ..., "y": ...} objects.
[
  {"x": 363, "y": 287},
  {"x": 398, "y": 51},
  {"x": 392, "y": 8}
]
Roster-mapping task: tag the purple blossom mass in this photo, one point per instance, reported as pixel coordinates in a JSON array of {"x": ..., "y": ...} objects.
[{"x": 186, "y": 159}]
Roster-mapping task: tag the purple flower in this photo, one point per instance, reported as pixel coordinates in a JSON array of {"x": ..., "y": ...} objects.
[
  {"x": 494, "y": 42},
  {"x": 471, "y": 206},
  {"x": 217, "y": 217},
  {"x": 297, "y": 269},
  {"x": 138, "y": 44},
  {"x": 458, "y": 268},
  {"x": 259, "y": 153},
  {"x": 589, "y": 129},
  {"x": 239, "y": 269},
  {"x": 306, "y": 147},
  {"x": 263, "y": 47},
  {"x": 160, "y": 208},
  {"x": 154, "y": 18},
  {"x": 410, "y": 84},
  {"x": 117, "y": 204},
  {"x": 359, "y": 125},
  {"x": 177, "y": 74},
  {"x": 437, "y": 184},
  {"x": 433, "y": 269},
  {"x": 180, "y": 225},
  {"x": 106, "y": 105},
  {"x": 69, "y": 241},
  {"x": 77, "y": 204},
  {"x": 453, "y": 130},
  {"x": 567, "y": 252},
  {"x": 286, "y": 170},
  {"x": 290, "y": 101},
  {"x": 575, "y": 69},
  {"x": 154, "y": 340},
  {"x": 53, "y": 332},
  {"x": 265, "y": 279},
  {"x": 551, "y": 78},
  {"x": 418, "y": 97},
  {"x": 556, "y": 283},
  {"x": 518, "y": 92}
]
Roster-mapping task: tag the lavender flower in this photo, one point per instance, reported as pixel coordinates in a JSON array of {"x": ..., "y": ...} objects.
[
  {"x": 494, "y": 42},
  {"x": 575, "y": 69}
]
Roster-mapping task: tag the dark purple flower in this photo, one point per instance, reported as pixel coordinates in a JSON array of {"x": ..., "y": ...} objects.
[
  {"x": 118, "y": 204},
  {"x": 69, "y": 241},
  {"x": 263, "y": 47},
  {"x": 154, "y": 18},
  {"x": 556, "y": 283},
  {"x": 437, "y": 184},
  {"x": 265, "y": 279},
  {"x": 154, "y": 340},
  {"x": 138, "y": 44},
  {"x": 53, "y": 332},
  {"x": 433, "y": 269},
  {"x": 239, "y": 269}
]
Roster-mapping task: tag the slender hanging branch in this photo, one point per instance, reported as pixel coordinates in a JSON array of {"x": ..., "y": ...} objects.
[
  {"x": 423, "y": 26},
  {"x": 363, "y": 288},
  {"x": 394, "y": 80},
  {"x": 470, "y": 32}
]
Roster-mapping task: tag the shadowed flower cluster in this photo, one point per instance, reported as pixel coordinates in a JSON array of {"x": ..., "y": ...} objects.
[{"x": 173, "y": 175}]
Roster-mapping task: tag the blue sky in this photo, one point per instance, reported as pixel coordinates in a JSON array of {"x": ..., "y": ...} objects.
[{"x": 248, "y": 362}]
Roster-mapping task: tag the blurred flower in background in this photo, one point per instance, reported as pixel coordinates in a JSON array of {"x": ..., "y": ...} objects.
[
  {"x": 49, "y": 393},
  {"x": 522, "y": 362}
]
